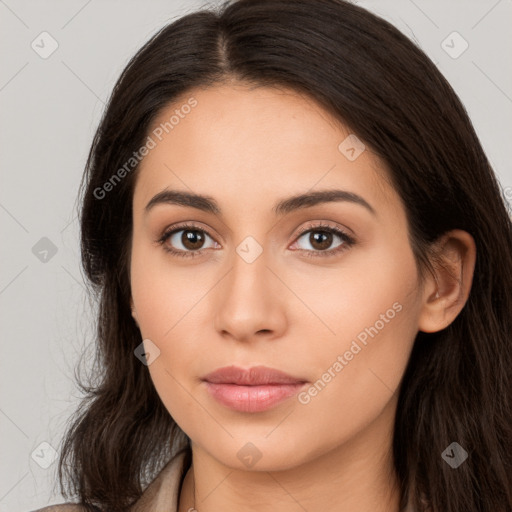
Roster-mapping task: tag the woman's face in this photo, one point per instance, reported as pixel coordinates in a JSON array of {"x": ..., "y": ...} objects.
[{"x": 256, "y": 284}]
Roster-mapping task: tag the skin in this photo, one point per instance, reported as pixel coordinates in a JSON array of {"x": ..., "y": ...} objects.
[{"x": 248, "y": 148}]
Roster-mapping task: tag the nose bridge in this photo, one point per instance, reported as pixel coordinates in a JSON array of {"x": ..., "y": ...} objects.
[
  {"x": 251, "y": 251},
  {"x": 249, "y": 272},
  {"x": 247, "y": 302}
]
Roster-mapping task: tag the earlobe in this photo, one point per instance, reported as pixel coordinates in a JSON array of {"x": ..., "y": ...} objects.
[
  {"x": 134, "y": 313},
  {"x": 447, "y": 291}
]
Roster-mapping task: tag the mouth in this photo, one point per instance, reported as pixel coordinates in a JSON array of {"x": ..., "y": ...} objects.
[{"x": 251, "y": 390}]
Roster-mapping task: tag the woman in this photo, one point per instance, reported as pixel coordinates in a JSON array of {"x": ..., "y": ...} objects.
[{"x": 303, "y": 264}]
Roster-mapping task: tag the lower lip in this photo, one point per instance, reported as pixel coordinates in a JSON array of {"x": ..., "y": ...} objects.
[{"x": 252, "y": 398}]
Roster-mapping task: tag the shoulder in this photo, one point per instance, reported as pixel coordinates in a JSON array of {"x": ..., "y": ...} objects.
[
  {"x": 161, "y": 494},
  {"x": 63, "y": 507}
]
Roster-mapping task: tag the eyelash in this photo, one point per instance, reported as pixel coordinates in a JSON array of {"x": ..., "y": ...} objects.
[{"x": 348, "y": 240}]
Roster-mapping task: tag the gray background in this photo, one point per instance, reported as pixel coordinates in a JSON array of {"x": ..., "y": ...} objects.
[{"x": 50, "y": 109}]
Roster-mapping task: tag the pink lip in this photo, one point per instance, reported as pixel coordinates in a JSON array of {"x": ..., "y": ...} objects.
[{"x": 252, "y": 390}]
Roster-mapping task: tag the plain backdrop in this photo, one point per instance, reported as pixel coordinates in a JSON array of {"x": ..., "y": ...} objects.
[{"x": 50, "y": 108}]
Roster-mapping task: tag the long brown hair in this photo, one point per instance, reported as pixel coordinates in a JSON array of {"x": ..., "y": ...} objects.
[{"x": 457, "y": 385}]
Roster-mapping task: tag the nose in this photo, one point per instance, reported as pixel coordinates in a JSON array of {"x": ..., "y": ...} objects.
[{"x": 250, "y": 301}]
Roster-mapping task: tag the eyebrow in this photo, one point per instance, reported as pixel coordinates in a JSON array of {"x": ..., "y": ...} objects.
[{"x": 297, "y": 202}]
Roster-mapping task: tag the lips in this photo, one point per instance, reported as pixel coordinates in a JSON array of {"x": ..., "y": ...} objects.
[
  {"x": 255, "y": 376},
  {"x": 253, "y": 390}
]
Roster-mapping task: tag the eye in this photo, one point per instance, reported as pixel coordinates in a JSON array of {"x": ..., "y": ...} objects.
[
  {"x": 321, "y": 238},
  {"x": 192, "y": 239},
  {"x": 189, "y": 236}
]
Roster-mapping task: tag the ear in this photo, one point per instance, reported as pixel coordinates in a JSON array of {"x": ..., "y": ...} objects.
[
  {"x": 446, "y": 292},
  {"x": 134, "y": 313}
]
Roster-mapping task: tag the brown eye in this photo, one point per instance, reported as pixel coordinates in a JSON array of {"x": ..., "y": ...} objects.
[
  {"x": 320, "y": 239},
  {"x": 192, "y": 239},
  {"x": 185, "y": 241}
]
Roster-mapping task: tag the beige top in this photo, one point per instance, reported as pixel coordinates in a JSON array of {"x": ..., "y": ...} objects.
[{"x": 161, "y": 495}]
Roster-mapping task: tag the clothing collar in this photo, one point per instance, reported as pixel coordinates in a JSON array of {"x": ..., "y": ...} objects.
[{"x": 162, "y": 494}]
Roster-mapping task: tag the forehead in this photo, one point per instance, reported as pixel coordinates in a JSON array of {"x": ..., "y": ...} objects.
[{"x": 251, "y": 144}]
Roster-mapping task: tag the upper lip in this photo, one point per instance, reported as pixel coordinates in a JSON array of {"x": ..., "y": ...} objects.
[{"x": 255, "y": 376}]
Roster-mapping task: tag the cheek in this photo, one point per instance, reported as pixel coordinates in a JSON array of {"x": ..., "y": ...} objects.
[
  {"x": 367, "y": 289},
  {"x": 163, "y": 292},
  {"x": 367, "y": 317},
  {"x": 168, "y": 303},
  {"x": 355, "y": 382}
]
